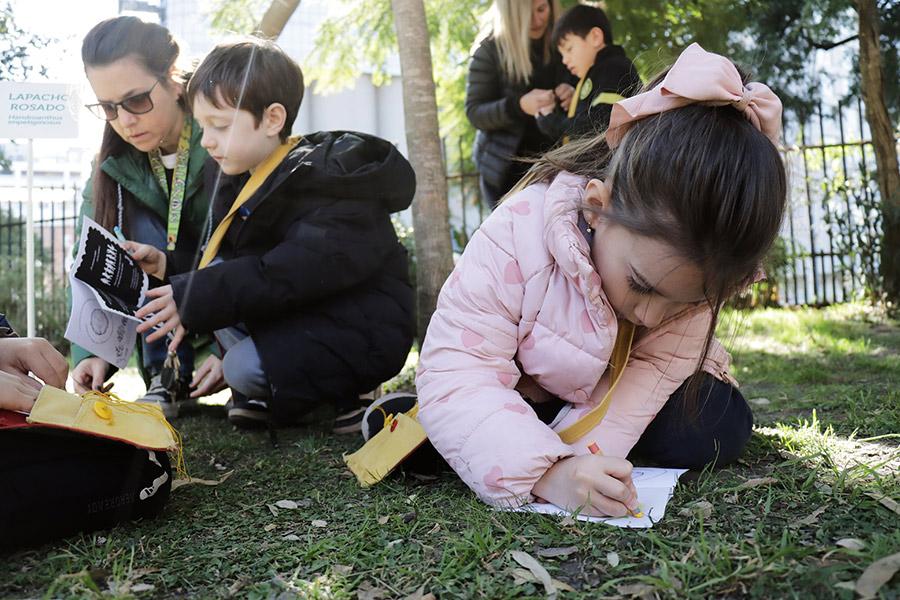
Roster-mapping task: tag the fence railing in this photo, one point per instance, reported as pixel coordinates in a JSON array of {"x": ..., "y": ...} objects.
[
  {"x": 830, "y": 239},
  {"x": 55, "y": 217},
  {"x": 829, "y": 249}
]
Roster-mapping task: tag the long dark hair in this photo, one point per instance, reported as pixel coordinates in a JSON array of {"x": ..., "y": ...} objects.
[
  {"x": 154, "y": 47},
  {"x": 702, "y": 178}
]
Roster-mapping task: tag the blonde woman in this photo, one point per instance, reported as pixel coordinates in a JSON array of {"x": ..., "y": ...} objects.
[{"x": 512, "y": 77}]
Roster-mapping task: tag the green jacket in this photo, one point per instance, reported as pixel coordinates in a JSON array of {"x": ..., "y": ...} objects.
[{"x": 132, "y": 171}]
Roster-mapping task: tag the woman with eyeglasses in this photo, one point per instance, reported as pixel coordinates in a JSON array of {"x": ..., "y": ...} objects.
[{"x": 147, "y": 180}]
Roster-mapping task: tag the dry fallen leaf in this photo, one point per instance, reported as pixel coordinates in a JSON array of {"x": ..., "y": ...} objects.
[
  {"x": 272, "y": 509},
  {"x": 700, "y": 508},
  {"x": 521, "y": 576},
  {"x": 613, "y": 559},
  {"x": 532, "y": 564},
  {"x": 811, "y": 519},
  {"x": 342, "y": 569},
  {"x": 420, "y": 594},
  {"x": 319, "y": 523},
  {"x": 286, "y": 504},
  {"x": 435, "y": 529},
  {"x": 751, "y": 483},
  {"x": 270, "y": 527},
  {"x": 886, "y": 501},
  {"x": 877, "y": 574},
  {"x": 851, "y": 543},
  {"x": 197, "y": 481},
  {"x": 636, "y": 590},
  {"x": 291, "y": 537},
  {"x": 557, "y": 552},
  {"x": 383, "y": 520},
  {"x": 142, "y": 587},
  {"x": 846, "y": 585},
  {"x": 366, "y": 591}
]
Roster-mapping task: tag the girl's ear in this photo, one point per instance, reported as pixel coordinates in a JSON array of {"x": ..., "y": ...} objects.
[
  {"x": 274, "y": 119},
  {"x": 598, "y": 198}
]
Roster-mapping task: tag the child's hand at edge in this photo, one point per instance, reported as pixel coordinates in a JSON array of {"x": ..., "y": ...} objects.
[
  {"x": 89, "y": 374},
  {"x": 599, "y": 485},
  {"x": 209, "y": 378},
  {"x": 18, "y": 393},
  {"x": 161, "y": 311},
  {"x": 150, "y": 259},
  {"x": 564, "y": 93}
]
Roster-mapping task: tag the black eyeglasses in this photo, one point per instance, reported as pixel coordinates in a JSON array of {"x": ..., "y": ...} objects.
[{"x": 138, "y": 104}]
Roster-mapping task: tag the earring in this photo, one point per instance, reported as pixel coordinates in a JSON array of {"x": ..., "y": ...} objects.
[{"x": 590, "y": 230}]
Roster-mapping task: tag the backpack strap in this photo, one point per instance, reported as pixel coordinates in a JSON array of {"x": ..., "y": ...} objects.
[{"x": 618, "y": 360}]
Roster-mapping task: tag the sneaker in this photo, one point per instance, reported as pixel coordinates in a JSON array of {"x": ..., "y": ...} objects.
[
  {"x": 351, "y": 420},
  {"x": 159, "y": 395},
  {"x": 247, "y": 413},
  {"x": 392, "y": 404}
]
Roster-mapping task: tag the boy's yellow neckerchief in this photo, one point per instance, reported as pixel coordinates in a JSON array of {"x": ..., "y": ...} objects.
[{"x": 259, "y": 176}]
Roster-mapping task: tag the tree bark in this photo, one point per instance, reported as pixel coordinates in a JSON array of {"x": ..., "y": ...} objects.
[
  {"x": 431, "y": 220},
  {"x": 276, "y": 17},
  {"x": 885, "y": 144}
]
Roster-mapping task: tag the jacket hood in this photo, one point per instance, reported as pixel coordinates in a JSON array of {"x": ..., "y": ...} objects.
[{"x": 351, "y": 165}]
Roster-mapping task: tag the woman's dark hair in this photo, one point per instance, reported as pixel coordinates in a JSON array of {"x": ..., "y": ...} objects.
[
  {"x": 156, "y": 50},
  {"x": 700, "y": 177}
]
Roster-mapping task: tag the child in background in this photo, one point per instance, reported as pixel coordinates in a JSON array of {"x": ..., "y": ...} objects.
[
  {"x": 584, "y": 37},
  {"x": 646, "y": 231},
  {"x": 303, "y": 280}
]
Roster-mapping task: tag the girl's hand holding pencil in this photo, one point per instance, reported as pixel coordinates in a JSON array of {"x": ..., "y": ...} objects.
[{"x": 592, "y": 484}]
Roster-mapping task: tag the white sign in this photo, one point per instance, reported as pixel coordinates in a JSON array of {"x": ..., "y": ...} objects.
[{"x": 38, "y": 110}]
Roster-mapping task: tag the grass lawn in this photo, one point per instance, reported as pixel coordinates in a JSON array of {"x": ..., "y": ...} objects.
[{"x": 820, "y": 470}]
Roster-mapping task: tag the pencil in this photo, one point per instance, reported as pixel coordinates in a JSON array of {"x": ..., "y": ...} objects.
[{"x": 595, "y": 449}]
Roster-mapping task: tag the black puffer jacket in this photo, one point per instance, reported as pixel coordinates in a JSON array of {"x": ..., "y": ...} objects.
[
  {"x": 313, "y": 268},
  {"x": 492, "y": 106}
]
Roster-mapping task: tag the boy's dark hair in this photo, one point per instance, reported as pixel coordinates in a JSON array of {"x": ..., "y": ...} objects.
[
  {"x": 250, "y": 75},
  {"x": 579, "y": 20}
]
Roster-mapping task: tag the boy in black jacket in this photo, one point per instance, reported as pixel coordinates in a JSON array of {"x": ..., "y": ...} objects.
[
  {"x": 303, "y": 279},
  {"x": 584, "y": 38}
]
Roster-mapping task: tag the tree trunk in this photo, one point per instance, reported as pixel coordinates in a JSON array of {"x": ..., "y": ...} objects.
[
  {"x": 276, "y": 17},
  {"x": 431, "y": 220},
  {"x": 888, "y": 175}
]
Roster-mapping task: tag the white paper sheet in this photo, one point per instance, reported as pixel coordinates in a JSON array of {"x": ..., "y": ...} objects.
[
  {"x": 654, "y": 487},
  {"x": 107, "y": 287}
]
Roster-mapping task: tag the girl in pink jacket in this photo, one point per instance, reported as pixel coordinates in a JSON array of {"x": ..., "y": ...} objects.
[{"x": 654, "y": 225}]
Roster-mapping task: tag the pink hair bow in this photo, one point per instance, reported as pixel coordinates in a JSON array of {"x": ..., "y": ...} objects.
[{"x": 700, "y": 77}]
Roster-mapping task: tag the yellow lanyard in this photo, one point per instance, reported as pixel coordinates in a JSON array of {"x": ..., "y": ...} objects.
[
  {"x": 266, "y": 168},
  {"x": 179, "y": 181},
  {"x": 573, "y": 104},
  {"x": 618, "y": 360}
]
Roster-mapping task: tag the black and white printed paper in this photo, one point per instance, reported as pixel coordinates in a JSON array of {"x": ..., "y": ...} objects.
[{"x": 107, "y": 289}]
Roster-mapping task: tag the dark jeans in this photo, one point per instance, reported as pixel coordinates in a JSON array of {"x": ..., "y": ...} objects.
[
  {"x": 55, "y": 484},
  {"x": 711, "y": 429},
  {"x": 146, "y": 228}
]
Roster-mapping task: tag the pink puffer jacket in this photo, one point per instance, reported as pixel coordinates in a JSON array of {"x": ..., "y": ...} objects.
[{"x": 524, "y": 312}]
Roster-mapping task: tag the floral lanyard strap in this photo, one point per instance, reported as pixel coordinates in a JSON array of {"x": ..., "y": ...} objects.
[{"x": 179, "y": 179}]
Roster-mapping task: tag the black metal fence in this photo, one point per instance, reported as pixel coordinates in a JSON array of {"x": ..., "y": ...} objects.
[
  {"x": 830, "y": 241},
  {"x": 829, "y": 249},
  {"x": 55, "y": 216}
]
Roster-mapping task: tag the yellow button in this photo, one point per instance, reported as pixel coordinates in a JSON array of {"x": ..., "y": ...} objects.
[{"x": 102, "y": 410}]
